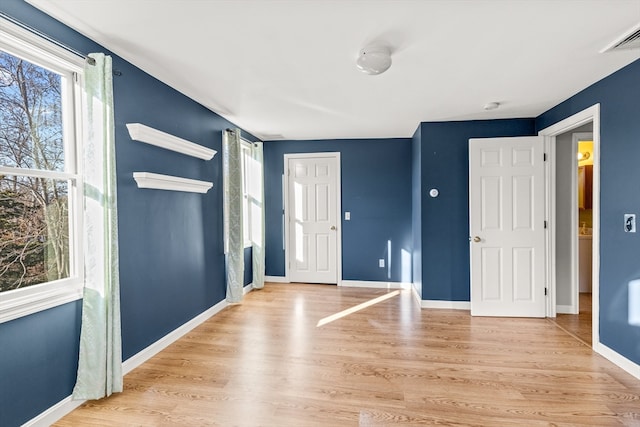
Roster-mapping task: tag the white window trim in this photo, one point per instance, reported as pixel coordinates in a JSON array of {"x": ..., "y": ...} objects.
[
  {"x": 32, "y": 299},
  {"x": 21, "y": 42},
  {"x": 18, "y": 40}
]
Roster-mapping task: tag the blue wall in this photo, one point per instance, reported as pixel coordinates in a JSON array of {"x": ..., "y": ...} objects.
[
  {"x": 376, "y": 189},
  {"x": 38, "y": 362},
  {"x": 445, "y": 219},
  {"x": 171, "y": 253},
  {"x": 618, "y": 95}
]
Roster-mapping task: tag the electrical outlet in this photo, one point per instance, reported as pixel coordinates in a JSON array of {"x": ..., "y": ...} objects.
[
  {"x": 630, "y": 223},
  {"x": 381, "y": 263},
  {"x": 347, "y": 216}
]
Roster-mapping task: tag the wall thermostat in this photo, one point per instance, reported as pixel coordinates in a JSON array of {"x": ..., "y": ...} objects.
[{"x": 434, "y": 192}]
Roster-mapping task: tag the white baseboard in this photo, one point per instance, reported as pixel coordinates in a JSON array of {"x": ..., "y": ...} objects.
[
  {"x": 67, "y": 405},
  {"x": 416, "y": 297},
  {"x": 455, "y": 305},
  {"x": 276, "y": 279},
  {"x": 54, "y": 413},
  {"x": 143, "y": 355},
  {"x": 618, "y": 359},
  {"x": 377, "y": 285},
  {"x": 566, "y": 309}
]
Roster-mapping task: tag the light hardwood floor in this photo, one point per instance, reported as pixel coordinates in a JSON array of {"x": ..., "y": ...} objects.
[
  {"x": 267, "y": 363},
  {"x": 579, "y": 325}
]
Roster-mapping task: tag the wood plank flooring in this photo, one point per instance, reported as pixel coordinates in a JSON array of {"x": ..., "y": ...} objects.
[
  {"x": 579, "y": 325},
  {"x": 267, "y": 363}
]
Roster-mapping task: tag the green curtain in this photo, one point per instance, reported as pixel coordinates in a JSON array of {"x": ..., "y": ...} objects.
[
  {"x": 100, "y": 361},
  {"x": 233, "y": 198},
  {"x": 256, "y": 193}
]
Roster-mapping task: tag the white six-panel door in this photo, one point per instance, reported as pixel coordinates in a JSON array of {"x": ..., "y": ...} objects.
[
  {"x": 506, "y": 213},
  {"x": 313, "y": 218}
]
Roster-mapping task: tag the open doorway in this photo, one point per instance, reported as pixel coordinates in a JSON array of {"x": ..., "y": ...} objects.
[
  {"x": 573, "y": 208},
  {"x": 574, "y": 157}
]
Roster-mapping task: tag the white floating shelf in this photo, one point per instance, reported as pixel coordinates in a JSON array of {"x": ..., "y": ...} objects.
[
  {"x": 149, "y": 135},
  {"x": 168, "y": 182}
]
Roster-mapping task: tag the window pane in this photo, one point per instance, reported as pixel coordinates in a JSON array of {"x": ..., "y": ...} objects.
[
  {"x": 34, "y": 231},
  {"x": 30, "y": 115},
  {"x": 246, "y": 231}
]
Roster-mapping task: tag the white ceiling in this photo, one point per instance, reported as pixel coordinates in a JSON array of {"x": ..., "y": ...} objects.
[{"x": 286, "y": 69}]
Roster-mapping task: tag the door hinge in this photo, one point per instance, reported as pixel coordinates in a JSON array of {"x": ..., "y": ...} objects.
[
  {"x": 545, "y": 224},
  {"x": 544, "y": 157},
  {"x": 545, "y": 292}
]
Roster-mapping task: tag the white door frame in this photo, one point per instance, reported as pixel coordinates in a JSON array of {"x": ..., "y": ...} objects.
[
  {"x": 336, "y": 156},
  {"x": 591, "y": 114}
]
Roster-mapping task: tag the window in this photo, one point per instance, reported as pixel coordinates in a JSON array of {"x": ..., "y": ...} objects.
[
  {"x": 40, "y": 247},
  {"x": 251, "y": 194},
  {"x": 246, "y": 186}
]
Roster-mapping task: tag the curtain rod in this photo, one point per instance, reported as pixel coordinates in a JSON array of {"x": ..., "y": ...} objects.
[
  {"x": 32, "y": 30},
  {"x": 254, "y": 143}
]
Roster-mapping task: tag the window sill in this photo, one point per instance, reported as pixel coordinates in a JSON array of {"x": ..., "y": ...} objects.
[{"x": 22, "y": 302}]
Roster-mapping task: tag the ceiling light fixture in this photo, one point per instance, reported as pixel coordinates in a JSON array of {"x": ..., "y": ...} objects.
[
  {"x": 491, "y": 106},
  {"x": 374, "y": 60}
]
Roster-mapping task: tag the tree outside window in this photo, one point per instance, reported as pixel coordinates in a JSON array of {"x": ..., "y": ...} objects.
[{"x": 34, "y": 178}]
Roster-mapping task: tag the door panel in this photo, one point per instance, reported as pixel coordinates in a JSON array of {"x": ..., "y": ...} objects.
[
  {"x": 523, "y": 203},
  {"x": 506, "y": 212},
  {"x": 491, "y": 273},
  {"x": 312, "y": 244},
  {"x": 492, "y": 203}
]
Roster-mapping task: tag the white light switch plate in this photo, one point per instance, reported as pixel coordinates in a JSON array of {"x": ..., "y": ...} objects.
[{"x": 630, "y": 223}]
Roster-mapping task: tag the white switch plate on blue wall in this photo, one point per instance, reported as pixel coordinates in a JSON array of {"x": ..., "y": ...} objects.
[{"x": 630, "y": 223}]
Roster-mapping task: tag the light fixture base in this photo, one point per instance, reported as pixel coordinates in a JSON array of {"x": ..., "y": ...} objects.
[
  {"x": 491, "y": 106},
  {"x": 374, "y": 60}
]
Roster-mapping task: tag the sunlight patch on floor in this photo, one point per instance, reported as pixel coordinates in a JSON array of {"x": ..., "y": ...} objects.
[{"x": 356, "y": 308}]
